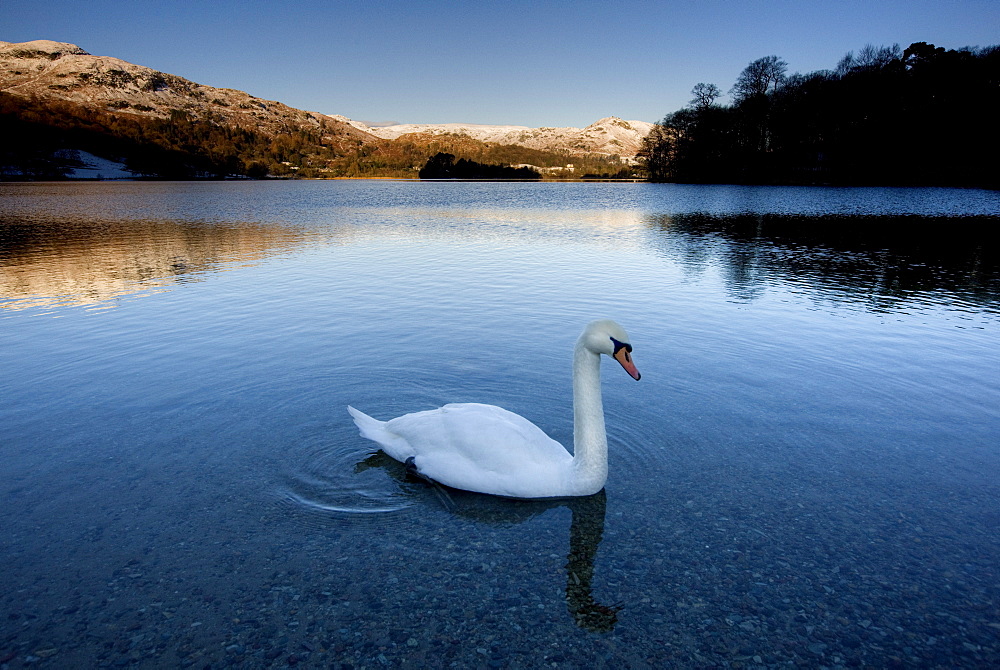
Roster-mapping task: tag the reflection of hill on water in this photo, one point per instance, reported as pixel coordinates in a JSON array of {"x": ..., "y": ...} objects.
[
  {"x": 88, "y": 262},
  {"x": 882, "y": 261}
]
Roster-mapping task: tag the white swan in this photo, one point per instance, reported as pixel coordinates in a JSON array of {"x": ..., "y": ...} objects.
[{"x": 487, "y": 449}]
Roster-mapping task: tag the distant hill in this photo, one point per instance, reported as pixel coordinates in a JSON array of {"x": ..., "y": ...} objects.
[
  {"x": 57, "y": 100},
  {"x": 608, "y": 136}
]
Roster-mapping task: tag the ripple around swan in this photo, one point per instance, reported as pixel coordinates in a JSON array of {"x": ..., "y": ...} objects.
[{"x": 332, "y": 484}]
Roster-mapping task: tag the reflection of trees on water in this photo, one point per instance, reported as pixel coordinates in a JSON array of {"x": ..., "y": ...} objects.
[
  {"x": 585, "y": 533},
  {"x": 881, "y": 261}
]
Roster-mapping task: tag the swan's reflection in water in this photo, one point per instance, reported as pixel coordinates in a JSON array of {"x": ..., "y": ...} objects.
[{"x": 585, "y": 533}]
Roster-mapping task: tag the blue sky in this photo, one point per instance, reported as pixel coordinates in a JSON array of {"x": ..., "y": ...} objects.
[{"x": 540, "y": 63}]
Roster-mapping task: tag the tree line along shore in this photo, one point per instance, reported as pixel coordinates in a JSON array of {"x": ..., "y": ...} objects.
[{"x": 921, "y": 116}]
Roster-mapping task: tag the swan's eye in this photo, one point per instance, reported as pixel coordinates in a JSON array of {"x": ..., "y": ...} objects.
[{"x": 623, "y": 345}]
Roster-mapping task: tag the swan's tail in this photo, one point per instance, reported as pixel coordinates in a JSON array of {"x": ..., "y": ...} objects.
[
  {"x": 376, "y": 431},
  {"x": 371, "y": 428}
]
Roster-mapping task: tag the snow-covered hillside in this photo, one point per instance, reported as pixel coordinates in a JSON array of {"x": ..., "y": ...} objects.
[{"x": 611, "y": 135}]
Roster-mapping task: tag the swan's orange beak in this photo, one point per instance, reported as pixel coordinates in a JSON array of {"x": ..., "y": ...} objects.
[{"x": 625, "y": 358}]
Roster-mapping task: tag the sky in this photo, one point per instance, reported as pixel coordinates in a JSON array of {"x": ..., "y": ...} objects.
[{"x": 530, "y": 63}]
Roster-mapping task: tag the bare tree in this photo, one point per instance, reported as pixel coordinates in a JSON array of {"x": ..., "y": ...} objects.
[
  {"x": 758, "y": 78},
  {"x": 869, "y": 58},
  {"x": 705, "y": 95},
  {"x": 658, "y": 151}
]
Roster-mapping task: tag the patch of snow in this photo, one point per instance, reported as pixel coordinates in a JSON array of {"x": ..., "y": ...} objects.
[
  {"x": 481, "y": 132},
  {"x": 94, "y": 167}
]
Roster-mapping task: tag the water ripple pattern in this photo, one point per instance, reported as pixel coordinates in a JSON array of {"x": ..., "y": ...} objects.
[
  {"x": 332, "y": 483},
  {"x": 806, "y": 474}
]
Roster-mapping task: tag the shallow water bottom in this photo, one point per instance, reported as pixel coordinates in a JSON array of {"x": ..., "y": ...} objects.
[{"x": 731, "y": 563}]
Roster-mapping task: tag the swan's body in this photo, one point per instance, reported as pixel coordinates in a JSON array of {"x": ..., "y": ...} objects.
[{"x": 490, "y": 450}]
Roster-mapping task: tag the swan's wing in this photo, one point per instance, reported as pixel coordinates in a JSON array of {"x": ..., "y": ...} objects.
[{"x": 483, "y": 448}]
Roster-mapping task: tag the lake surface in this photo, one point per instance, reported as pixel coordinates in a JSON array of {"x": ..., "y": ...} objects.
[{"x": 808, "y": 473}]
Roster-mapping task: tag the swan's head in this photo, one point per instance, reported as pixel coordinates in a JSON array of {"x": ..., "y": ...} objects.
[{"x": 607, "y": 337}]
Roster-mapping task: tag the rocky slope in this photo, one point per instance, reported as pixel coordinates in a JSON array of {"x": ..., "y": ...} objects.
[
  {"x": 56, "y": 70},
  {"x": 58, "y": 100},
  {"x": 608, "y": 136}
]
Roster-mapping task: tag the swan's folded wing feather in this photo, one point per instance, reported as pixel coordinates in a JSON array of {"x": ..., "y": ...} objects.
[{"x": 484, "y": 448}]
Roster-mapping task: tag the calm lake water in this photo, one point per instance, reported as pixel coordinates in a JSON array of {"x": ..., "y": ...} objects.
[{"x": 808, "y": 473}]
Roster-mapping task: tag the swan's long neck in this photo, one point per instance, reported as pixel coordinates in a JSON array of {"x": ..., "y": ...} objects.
[{"x": 590, "y": 440}]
